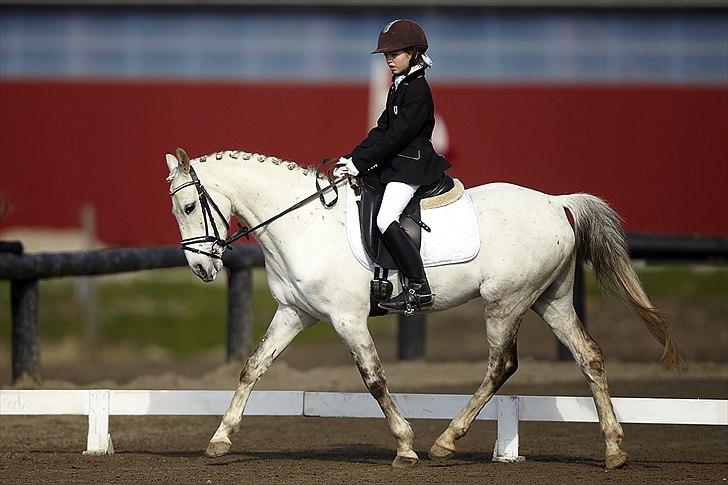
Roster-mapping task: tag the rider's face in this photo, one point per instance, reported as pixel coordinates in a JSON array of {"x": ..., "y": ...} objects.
[{"x": 398, "y": 61}]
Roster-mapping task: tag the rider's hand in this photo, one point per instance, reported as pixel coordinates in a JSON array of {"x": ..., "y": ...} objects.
[{"x": 345, "y": 166}]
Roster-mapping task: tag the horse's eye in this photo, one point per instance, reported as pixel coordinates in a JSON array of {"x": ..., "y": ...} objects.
[{"x": 189, "y": 208}]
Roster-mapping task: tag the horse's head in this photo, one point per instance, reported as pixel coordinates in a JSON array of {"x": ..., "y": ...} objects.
[{"x": 202, "y": 213}]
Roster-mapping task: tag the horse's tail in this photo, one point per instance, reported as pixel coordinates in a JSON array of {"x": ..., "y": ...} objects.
[{"x": 600, "y": 240}]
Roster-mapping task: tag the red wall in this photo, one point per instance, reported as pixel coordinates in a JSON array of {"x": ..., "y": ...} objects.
[{"x": 658, "y": 154}]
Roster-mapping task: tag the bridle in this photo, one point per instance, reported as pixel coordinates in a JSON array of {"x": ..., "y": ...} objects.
[{"x": 207, "y": 205}]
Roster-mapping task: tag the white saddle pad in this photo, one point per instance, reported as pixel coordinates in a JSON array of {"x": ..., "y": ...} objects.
[{"x": 455, "y": 237}]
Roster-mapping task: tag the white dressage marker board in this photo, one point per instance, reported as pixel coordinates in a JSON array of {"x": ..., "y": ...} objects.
[{"x": 99, "y": 404}]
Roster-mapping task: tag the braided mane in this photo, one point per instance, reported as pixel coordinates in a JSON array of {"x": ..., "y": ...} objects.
[{"x": 242, "y": 156}]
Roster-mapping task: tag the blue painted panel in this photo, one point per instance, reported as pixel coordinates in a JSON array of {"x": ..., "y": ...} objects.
[{"x": 490, "y": 46}]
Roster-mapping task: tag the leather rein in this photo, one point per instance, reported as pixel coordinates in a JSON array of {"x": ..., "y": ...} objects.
[{"x": 208, "y": 205}]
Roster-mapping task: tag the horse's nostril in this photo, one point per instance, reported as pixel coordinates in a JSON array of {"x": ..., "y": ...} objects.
[{"x": 200, "y": 270}]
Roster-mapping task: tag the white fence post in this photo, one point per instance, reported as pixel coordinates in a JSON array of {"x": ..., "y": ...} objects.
[
  {"x": 506, "y": 446},
  {"x": 99, "y": 439}
]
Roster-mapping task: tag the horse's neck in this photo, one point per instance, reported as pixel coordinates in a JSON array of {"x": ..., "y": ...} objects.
[{"x": 260, "y": 190}]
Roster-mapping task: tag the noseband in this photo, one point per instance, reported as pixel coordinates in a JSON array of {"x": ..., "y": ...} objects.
[{"x": 207, "y": 204}]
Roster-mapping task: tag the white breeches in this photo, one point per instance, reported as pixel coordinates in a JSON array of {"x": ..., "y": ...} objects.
[{"x": 396, "y": 197}]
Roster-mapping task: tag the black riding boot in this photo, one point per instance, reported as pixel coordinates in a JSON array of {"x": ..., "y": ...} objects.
[{"x": 416, "y": 295}]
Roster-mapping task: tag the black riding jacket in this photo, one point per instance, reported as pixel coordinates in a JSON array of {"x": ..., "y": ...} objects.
[{"x": 399, "y": 148}]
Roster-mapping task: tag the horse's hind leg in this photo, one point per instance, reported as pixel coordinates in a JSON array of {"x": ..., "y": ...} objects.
[
  {"x": 556, "y": 307},
  {"x": 502, "y": 363},
  {"x": 287, "y": 322},
  {"x": 359, "y": 342}
]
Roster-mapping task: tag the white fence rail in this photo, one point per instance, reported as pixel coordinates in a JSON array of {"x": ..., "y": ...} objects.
[{"x": 99, "y": 404}]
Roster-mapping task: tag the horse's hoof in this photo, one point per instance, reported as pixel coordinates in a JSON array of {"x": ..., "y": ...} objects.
[
  {"x": 616, "y": 460},
  {"x": 217, "y": 448},
  {"x": 439, "y": 452},
  {"x": 405, "y": 461}
]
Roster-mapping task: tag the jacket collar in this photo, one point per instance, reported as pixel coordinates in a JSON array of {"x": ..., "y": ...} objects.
[{"x": 414, "y": 72}]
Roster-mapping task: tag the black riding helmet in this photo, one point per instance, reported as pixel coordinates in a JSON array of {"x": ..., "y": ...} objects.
[{"x": 399, "y": 35}]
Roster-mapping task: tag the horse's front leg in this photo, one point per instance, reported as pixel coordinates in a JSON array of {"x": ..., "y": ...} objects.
[
  {"x": 287, "y": 322},
  {"x": 358, "y": 340}
]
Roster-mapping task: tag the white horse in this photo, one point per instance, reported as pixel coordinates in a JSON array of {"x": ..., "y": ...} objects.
[{"x": 526, "y": 261}]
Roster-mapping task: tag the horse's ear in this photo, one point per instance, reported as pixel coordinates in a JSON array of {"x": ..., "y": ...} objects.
[
  {"x": 172, "y": 165},
  {"x": 184, "y": 160}
]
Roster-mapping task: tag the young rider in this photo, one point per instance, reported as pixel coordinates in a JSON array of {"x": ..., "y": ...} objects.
[{"x": 399, "y": 151}]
